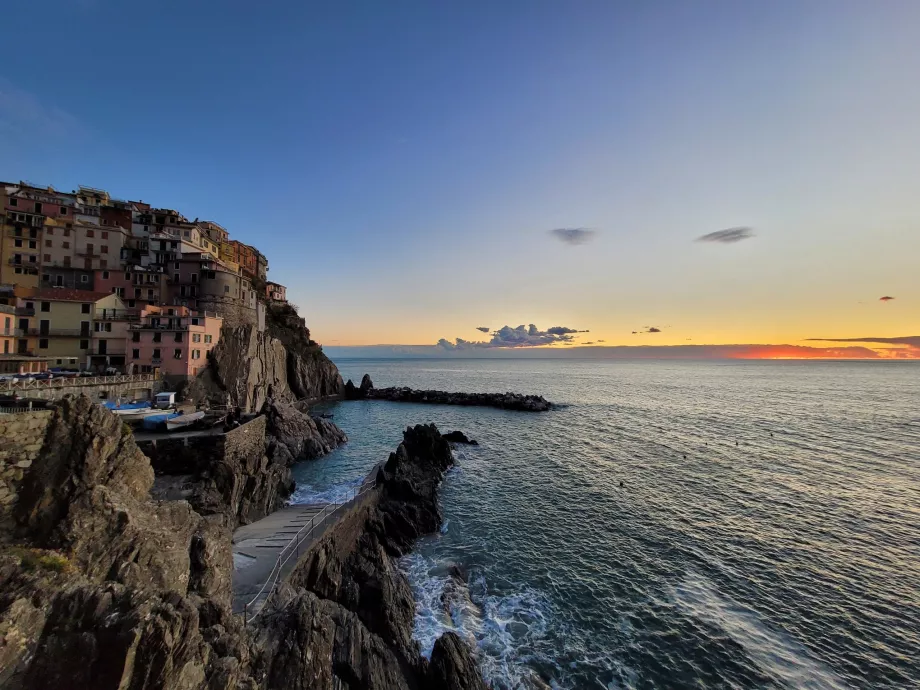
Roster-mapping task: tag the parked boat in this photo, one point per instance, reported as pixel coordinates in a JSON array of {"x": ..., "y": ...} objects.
[
  {"x": 182, "y": 421},
  {"x": 121, "y": 408},
  {"x": 157, "y": 422},
  {"x": 130, "y": 416}
]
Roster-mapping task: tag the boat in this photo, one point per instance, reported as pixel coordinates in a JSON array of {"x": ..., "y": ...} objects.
[
  {"x": 183, "y": 420},
  {"x": 138, "y": 415},
  {"x": 126, "y": 408},
  {"x": 157, "y": 422}
]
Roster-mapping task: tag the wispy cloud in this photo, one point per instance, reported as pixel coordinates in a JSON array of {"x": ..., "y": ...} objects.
[
  {"x": 484, "y": 329},
  {"x": 909, "y": 340},
  {"x": 727, "y": 236},
  {"x": 886, "y": 298},
  {"x": 23, "y": 114},
  {"x": 573, "y": 236},
  {"x": 518, "y": 337}
]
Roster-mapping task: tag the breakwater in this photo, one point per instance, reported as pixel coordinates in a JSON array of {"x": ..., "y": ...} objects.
[{"x": 503, "y": 401}]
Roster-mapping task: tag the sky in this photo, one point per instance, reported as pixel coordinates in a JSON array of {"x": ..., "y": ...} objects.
[{"x": 404, "y": 165}]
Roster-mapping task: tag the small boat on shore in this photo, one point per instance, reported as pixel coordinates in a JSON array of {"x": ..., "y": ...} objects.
[
  {"x": 131, "y": 416},
  {"x": 157, "y": 421},
  {"x": 183, "y": 420},
  {"x": 130, "y": 408}
]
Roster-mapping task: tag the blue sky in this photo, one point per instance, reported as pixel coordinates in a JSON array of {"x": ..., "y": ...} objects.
[{"x": 402, "y": 163}]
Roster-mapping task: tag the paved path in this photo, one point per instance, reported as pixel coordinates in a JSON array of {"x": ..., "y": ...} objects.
[{"x": 286, "y": 533}]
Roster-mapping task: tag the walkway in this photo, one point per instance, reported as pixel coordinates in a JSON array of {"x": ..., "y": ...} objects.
[{"x": 266, "y": 551}]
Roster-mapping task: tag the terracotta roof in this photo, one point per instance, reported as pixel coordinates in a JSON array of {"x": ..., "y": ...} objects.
[{"x": 68, "y": 295}]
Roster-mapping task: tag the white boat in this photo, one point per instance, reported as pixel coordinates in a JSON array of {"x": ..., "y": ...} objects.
[
  {"x": 183, "y": 421},
  {"x": 137, "y": 415}
]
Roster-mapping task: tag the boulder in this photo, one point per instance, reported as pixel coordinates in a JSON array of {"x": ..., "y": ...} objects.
[
  {"x": 460, "y": 437},
  {"x": 452, "y": 666}
]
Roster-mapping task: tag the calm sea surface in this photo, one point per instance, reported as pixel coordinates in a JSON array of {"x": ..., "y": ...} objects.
[{"x": 675, "y": 524}]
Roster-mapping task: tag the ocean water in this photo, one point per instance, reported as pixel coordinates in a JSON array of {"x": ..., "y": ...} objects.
[{"x": 673, "y": 524}]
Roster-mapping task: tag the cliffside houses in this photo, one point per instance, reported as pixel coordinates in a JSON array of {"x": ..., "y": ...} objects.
[{"x": 92, "y": 282}]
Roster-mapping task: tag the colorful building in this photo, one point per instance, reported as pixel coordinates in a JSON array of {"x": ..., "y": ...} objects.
[
  {"x": 276, "y": 292},
  {"x": 138, "y": 286},
  {"x": 173, "y": 340}
]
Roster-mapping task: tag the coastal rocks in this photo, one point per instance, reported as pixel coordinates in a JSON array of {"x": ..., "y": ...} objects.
[
  {"x": 248, "y": 366},
  {"x": 302, "y": 436},
  {"x": 361, "y": 392},
  {"x": 503, "y": 401},
  {"x": 348, "y": 588},
  {"x": 460, "y": 437},
  {"x": 310, "y": 374}
]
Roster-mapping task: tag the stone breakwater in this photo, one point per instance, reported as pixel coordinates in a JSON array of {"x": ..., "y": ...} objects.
[
  {"x": 103, "y": 587},
  {"x": 502, "y": 401}
]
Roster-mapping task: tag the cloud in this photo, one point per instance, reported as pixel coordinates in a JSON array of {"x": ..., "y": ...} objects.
[
  {"x": 484, "y": 329},
  {"x": 602, "y": 341},
  {"x": 727, "y": 236},
  {"x": 573, "y": 235},
  {"x": 886, "y": 298},
  {"x": 520, "y": 336},
  {"x": 909, "y": 340},
  {"x": 653, "y": 330}
]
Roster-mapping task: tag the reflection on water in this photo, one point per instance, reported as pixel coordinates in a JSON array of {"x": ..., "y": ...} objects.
[{"x": 739, "y": 524}]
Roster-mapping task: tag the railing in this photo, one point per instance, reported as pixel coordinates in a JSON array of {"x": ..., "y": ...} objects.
[
  {"x": 118, "y": 315},
  {"x": 22, "y": 311},
  {"x": 63, "y": 332},
  {"x": 13, "y": 261},
  {"x": 22, "y": 410},
  {"x": 292, "y": 548},
  {"x": 67, "y": 382}
]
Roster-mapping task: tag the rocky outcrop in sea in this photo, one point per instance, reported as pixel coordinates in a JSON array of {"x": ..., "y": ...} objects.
[
  {"x": 503, "y": 401},
  {"x": 103, "y": 587}
]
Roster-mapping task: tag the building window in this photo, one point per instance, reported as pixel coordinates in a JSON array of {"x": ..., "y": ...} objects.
[
  {"x": 226, "y": 288},
  {"x": 175, "y": 277},
  {"x": 127, "y": 276},
  {"x": 177, "y": 354},
  {"x": 105, "y": 235},
  {"x": 194, "y": 321},
  {"x": 63, "y": 210},
  {"x": 105, "y": 275},
  {"x": 84, "y": 344},
  {"x": 196, "y": 337},
  {"x": 149, "y": 295},
  {"x": 48, "y": 243},
  {"x": 207, "y": 339},
  {"x": 67, "y": 231},
  {"x": 103, "y": 263},
  {"x": 136, "y": 337},
  {"x": 84, "y": 308},
  {"x": 85, "y": 279},
  {"x": 177, "y": 265},
  {"x": 136, "y": 354},
  {"x": 65, "y": 244},
  {"x": 17, "y": 243},
  {"x": 47, "y": 258},
  {"x": 14, "y": 202},
  {"x": 49, "y": 231},
  {"x": 32, "y": 245},
  {"x": 179, "y": 337},
  {"x": 38, "y": 207},
  {"x": 105, "y": 249},
  {"x": 43, "y": 344},
  {"x": 196, "y": 354},
  {"x": 46, "y": 306},
  {"x": 137, "y": 293},
  {"x": 89, "y": 249},
  {"x": 90, "y": 233},
  {"x": 157, "y": 337},
  {"x": 156, "y": 353}
]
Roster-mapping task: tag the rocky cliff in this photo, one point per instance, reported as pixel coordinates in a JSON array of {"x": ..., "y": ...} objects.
[
  {"x": 247, "y": 367},
  {"x": 108, "y": 589}
]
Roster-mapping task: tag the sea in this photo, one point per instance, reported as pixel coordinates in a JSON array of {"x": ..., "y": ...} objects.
[{"x": 672, "y": 524}]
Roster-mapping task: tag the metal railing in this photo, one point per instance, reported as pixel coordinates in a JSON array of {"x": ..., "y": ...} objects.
[
  {"x": 67, "y": 382},
  {"x": 292, "y": 548},
  {"x": 22, "y": 410}
]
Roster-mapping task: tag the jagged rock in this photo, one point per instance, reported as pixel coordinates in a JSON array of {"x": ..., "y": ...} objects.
[
  {"x": 460, "y": 437},
  {"x": 452, "y": 667},
  {"x": 304, "y": 437},
  {"x": 310, "y": 374},
  {"x": 366, "y": 383}
]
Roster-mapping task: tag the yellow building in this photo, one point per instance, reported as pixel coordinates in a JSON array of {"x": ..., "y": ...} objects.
[
  {"x": 61, "y": 329},
  {"x": 20, "y": 246}
]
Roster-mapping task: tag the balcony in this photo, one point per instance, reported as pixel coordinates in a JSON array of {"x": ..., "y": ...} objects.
[
  {"x": 59, "y": 332},
  {"x": 117, "y": 314},
  {"x": 13, "y": 261},
  {"x": 11, "y": 332},
  {"x": 90, "y": 254},
  {"x": 23, "y": 311},
  {"x": 158, "y": 327},
  {"x": 118, "y": 351}
]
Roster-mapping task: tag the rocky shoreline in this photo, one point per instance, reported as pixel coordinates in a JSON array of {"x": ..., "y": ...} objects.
[
  {"x": 503, "y": 401},
  {"x": 104, "y": 587}
]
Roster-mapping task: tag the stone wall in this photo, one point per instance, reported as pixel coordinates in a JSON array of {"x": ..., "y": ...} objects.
[
  {"x": 21, "y": 438},
  {"x": 232, "y": 311},
  {"x": 97, "y": 392}
]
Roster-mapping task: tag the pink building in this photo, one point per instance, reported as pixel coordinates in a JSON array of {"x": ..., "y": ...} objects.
[
  {"x": 276, "y": 292},
  {"x": 139, "y": 287},
  {"x": 174, "y": 340}
]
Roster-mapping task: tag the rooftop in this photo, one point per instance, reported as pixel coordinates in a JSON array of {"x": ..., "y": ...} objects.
[{"x": 60, "y": 294}]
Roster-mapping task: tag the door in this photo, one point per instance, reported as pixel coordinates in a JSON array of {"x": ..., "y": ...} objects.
[
  {"x": 24, "y": 326},
  {"x": 84, "y": 329},
  {"x": 103, "y": 347},
  {"x": 44, "y": 327}
]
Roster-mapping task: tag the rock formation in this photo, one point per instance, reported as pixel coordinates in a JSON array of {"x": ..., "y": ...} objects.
[
  {"x": 504, "y": 401},
  {"x": 247, "y": 366},
  {"x": 460, "y": 437},
  {"x": 110, "y": 590}
]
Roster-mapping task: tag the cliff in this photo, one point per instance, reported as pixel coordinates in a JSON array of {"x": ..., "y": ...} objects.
[
  {"x": 247, "y": 367},
  {"x": 108, "y": 589}
]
